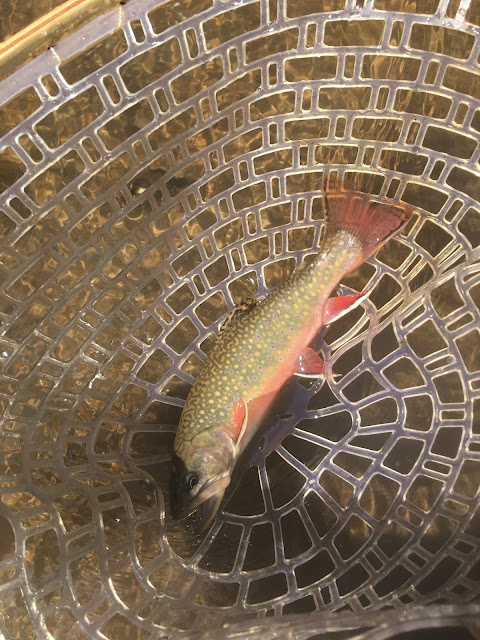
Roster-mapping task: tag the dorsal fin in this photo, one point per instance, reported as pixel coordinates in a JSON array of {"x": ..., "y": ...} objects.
[{"x": 244, "y": 307}]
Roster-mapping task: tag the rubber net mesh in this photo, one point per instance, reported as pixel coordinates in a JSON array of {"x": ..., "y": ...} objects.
[{"x": 156, "y": 170}]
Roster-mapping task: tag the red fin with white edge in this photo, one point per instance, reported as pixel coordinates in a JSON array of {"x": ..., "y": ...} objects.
[
  {"x": 362, "y": 216},
  {"x": 309, "y": 364},
  {"x": 240, "y": 418},
  {"x": 341, "y": 305}
]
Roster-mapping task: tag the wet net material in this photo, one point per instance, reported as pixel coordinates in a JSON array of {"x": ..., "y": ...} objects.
[{"x": 158, "y": 167}]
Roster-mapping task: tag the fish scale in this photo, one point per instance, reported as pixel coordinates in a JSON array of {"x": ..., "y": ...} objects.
[
  {"x": 250, "y": 357},
  {"x": 255, "y": 355}
]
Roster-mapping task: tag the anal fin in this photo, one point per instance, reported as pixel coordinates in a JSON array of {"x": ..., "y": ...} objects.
[{"x": 341, "y": 305}]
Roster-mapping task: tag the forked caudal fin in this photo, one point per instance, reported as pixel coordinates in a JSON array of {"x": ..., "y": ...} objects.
[{"x": 367, "y": 220}]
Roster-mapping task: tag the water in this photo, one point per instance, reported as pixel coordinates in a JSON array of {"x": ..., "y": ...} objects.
[{"x": 125, "y": 249}]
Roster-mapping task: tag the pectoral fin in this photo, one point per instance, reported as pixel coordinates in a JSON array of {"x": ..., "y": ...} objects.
[
  {"x": 340, "y": 305},
  {"x": 240, "y": 418},
  {"x": 309, "y": 364}
]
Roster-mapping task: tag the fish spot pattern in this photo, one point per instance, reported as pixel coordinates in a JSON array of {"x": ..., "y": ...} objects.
[{"x": 127, "y": 238}]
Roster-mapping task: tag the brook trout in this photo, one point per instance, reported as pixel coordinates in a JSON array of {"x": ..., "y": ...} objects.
[{"x": 263, "y": 345}]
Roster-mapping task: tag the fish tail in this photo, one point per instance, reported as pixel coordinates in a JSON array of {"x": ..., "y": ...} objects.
[{"x": 369, "y": 222}]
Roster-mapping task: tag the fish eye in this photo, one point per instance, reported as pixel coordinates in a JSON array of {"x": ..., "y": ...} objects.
[{"x": 192, "y": 480}]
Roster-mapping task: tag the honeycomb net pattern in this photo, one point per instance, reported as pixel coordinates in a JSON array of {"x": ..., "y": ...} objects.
[{"x": 156, "y": 173}]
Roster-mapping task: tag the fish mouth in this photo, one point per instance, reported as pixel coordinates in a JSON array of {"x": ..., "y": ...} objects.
[
  {"x": 207, "y": 510},
  {"x": 206, "y": 503}
]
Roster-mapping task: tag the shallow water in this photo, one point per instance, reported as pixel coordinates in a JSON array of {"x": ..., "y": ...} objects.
[{"x": 114, "y": 287}]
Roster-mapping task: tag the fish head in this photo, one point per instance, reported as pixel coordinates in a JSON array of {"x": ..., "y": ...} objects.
[{"x": 201, "y": 471}]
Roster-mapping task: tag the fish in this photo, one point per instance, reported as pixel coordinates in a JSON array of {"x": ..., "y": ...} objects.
[{"x": 264, "y": 343}]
